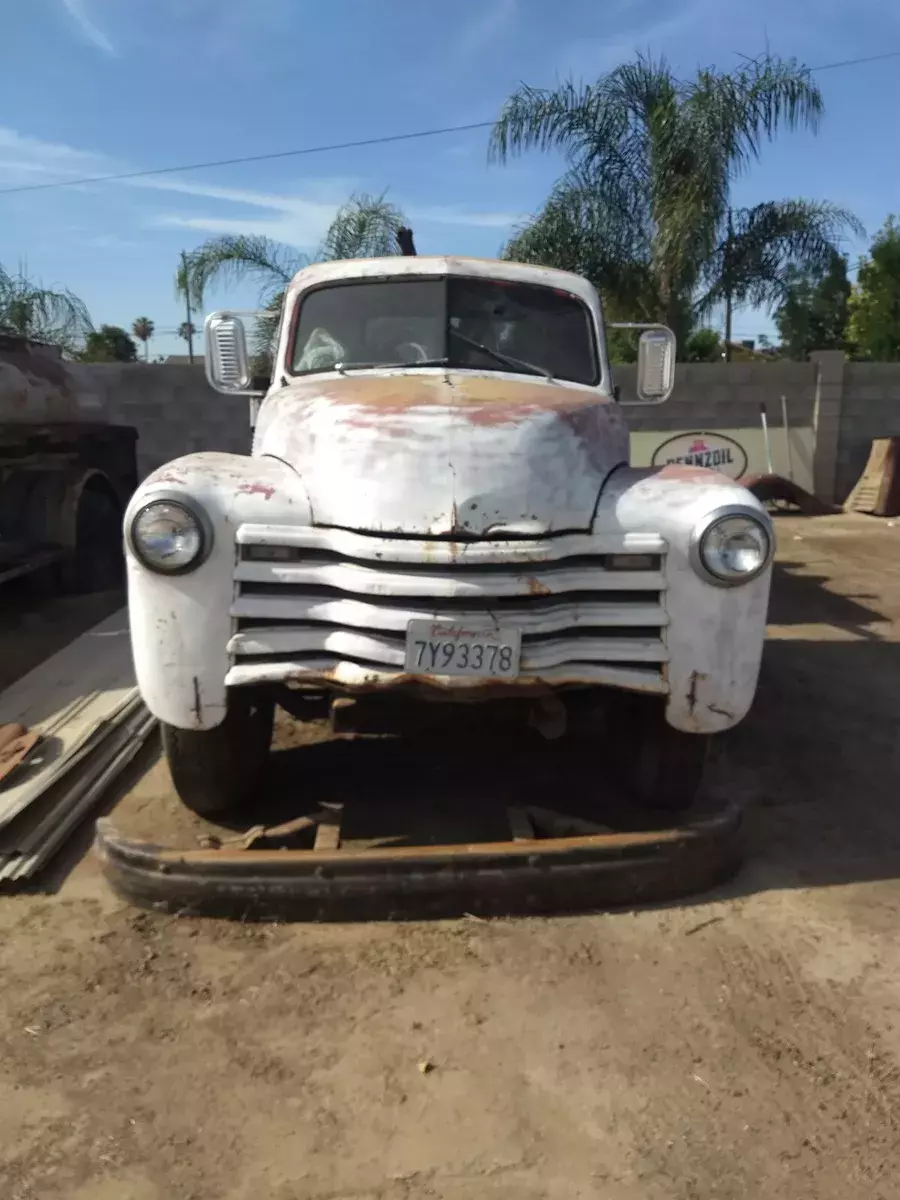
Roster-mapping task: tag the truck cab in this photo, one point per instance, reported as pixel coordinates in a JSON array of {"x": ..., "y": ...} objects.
[{"x": 438, "y": 505}]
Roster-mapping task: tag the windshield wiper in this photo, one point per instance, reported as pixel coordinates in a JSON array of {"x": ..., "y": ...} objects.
[
  {"x": 507, "y": 359},
  {"x": 341, "y": 367}
]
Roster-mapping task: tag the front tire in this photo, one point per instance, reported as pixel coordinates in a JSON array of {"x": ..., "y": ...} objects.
[
  {"x": 220, "y": 770},
  {"x": 662, "y": 767}
]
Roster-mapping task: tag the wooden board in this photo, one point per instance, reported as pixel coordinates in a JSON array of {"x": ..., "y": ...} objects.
[
  {"x": 71, "y": 700},
  {"x": 877, "y": 490},
  {"x": 38, "y": 832}
]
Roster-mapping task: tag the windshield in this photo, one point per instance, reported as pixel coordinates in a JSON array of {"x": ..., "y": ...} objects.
[{"x": 478, "y": 324}]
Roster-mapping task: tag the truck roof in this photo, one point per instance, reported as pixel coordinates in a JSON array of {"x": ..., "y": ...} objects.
[{"x": 427, "y": 264}]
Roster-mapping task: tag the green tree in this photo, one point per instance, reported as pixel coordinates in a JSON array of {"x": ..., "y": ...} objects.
[
  {"x": 109, "y": 343},
  {"x": 142, "y": 328},
  {"x": 644, "y": 209},
  {"x": 703, "y": 345},
  {"x": 874, "y": 325},
  {"x": 53, "y": 315},
  {"x": 813, "y": 314}
]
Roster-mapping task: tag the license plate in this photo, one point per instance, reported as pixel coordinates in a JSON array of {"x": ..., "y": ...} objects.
[{"x": 442, "y": 648}]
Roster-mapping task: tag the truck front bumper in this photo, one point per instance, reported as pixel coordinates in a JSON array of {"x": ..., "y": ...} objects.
[{"x": 488, "y": 878}]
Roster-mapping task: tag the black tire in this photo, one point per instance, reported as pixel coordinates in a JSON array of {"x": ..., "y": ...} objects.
[
  {"x": 97, "y": 563},
  {"x": 218, "y": 771},
  {"x": 661, "y": 767},
  {"x": 668, "y": 769}
]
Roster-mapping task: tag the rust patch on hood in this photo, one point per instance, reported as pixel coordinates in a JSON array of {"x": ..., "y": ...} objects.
[{"x": 483, "y": 399}]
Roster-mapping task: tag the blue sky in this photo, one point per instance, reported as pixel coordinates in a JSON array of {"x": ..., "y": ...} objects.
[{"x": 97, "y": 86}]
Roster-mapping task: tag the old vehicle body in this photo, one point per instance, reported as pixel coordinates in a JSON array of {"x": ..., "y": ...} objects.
[
  {"x": 438, "y": 506},
  {"x": 66, "y": 473}
]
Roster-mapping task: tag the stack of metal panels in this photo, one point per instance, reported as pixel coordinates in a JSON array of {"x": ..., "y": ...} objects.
[{"x": 84, "y": 705}]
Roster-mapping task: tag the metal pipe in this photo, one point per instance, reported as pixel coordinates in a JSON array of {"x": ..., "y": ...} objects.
[
  {"x": 787, "y": 437},
  {"x": 765, "y": 429}
]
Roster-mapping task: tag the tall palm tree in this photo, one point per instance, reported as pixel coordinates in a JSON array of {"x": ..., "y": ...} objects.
[
  {"x": 53, "y": 315},
  {"x": 644, "y": 208},
  {"x": 142, "y": 328}
]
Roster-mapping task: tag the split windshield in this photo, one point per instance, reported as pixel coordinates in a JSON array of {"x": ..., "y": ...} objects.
[{"x": 452, "y": 321}]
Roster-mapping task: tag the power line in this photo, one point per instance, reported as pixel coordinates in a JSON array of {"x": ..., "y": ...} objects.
[
  {"x": 354, "y": 145},
  {"x": 853, "y": 62},
  {"x": 249, "y": 158}
]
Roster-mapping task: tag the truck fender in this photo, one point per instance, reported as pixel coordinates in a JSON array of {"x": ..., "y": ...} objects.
[{"x": 715, "y": 635}]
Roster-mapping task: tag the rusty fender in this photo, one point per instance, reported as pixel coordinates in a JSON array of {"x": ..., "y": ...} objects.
[{"x": 399, "y": 882}]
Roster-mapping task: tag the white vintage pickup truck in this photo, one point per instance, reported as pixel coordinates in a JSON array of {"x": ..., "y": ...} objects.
[{"x": 438, "y": 503}]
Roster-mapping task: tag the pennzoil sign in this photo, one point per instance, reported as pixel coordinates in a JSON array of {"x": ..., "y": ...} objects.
[{"x": 713, "y": 450}]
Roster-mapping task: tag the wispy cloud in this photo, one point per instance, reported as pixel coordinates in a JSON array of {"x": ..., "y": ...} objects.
[
  {"x": 90, "y": 31},
  {"x": 25, "y": 160},
  {"x": 298, "y": 218},
  {"x": 489, "y": 26},
  {"x": 628, "y": 28},
  {"x": 302, "y": 222},
  {"x": 447, "y": 214}
]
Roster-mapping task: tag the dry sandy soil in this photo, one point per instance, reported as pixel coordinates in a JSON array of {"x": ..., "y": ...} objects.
[{"x": 744, "y": 1044}]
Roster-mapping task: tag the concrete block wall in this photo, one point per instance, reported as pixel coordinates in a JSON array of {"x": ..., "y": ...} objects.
[
  {"x": 870, "y": 408},
  {"x": 849, "y": 404},
  {"x": 724, "y": 396},
  {"x": 173, "y": 408}
]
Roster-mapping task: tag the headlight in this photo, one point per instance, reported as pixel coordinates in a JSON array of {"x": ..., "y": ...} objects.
[
  {"x": 732, "y": 548},
  {"x": 168, "y": 536}
]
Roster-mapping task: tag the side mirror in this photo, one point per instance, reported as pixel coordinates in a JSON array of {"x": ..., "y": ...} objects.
[
  {"x": 656, "y": 363},
  {"x": 227, "y": 362}
]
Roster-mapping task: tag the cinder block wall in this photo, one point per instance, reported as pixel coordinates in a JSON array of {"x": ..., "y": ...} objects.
[
  {"x": 870, "y": 408},
  {"x": 176, "y": 412},
  {"x": 173, "y": 408},
  {"x": 725, "y": 396}
]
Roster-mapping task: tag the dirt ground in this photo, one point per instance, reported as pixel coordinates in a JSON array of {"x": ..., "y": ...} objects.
[{"x": 744, "y": 1044}]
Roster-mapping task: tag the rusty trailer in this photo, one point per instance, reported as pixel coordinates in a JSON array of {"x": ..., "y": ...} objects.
[{"x": 550, "y": 863}]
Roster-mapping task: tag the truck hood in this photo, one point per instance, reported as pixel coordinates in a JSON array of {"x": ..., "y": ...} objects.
[{"x": 438, "y": 454}]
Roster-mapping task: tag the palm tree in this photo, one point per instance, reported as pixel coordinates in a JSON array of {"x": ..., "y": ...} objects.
[
  {"x": 53, "y": 315},
  {"x": 644, "y": 208},
  {"x": 142, "y": 328},
  {"x": 364, "y": 227}
]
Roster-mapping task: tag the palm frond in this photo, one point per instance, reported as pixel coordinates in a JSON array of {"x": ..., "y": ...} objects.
[
  {"x": 264, "y": 336},
  {"x": 598, "y": 126},
  {"x": 733, "y": 113},
  {"x": 365, "y": 227},
  {"x": 54, "y": 315},
  {"x": 768, "y": 243},
  {"x": 235, "y": 257},
  {"x": 584, "y": 230}
]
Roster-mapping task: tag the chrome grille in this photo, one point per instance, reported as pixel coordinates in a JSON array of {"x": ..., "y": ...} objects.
[{"x": 314, "y": 599}]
